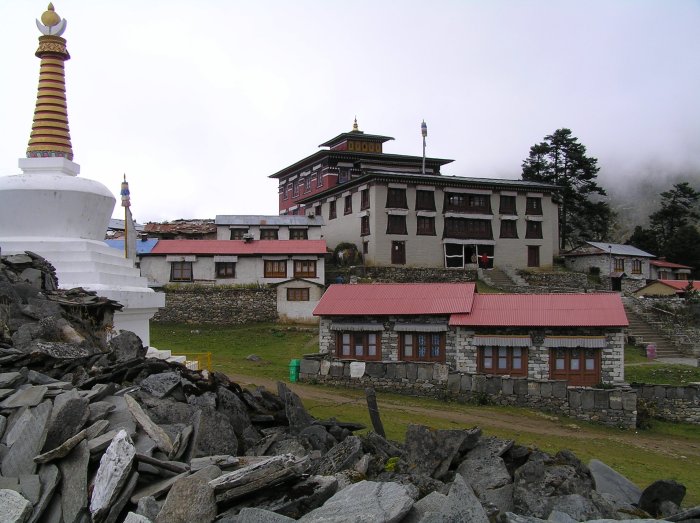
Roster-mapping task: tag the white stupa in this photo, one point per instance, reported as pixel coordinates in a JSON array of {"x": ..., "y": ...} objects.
[{"x": 51, "y": 211}]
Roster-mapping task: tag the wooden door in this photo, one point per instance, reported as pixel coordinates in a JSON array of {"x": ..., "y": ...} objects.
[{"x": 398, "y": 253}]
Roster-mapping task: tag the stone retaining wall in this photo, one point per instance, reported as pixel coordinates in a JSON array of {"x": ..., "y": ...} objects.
[
  {"x": 614, "y": 407},
  {"x": 218, "y": 305},
  {"x": 671, "y": 403},
  {"x": 573, "y": 281},
  {"x": 402, "y": 274}
]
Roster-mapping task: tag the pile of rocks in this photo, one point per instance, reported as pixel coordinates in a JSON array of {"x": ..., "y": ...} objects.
[{"x": 91, "y": 430}]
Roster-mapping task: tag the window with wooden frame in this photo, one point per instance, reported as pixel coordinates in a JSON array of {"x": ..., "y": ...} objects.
[
  {"x": 225, "y": 269},
  {"x": 396, "y": 224},
  {"x": 364, "y": 226},
  {"x": 283, "y": 192},
  {"x": 578, "y": 366},
  {"x": 425, "y": 200},
  {"x": 502, "y": 360},
  {"x": 468, "y": 203},
  {"x": 396, "y": 198},
  {"x": 304, "y": 268},
  {"x": 509, "y": 229},
  {"x": 296, "y": 189},
  {"x": 181, "y": 271},
  {"x": 275, "y": 269},
  {"x": 307, "y": 183},
  {"x": 533, "y": 206},
  {"x": 507, "y": 205},
  {"x": 365, "y": 247},
  {"x": 347, "y": 209},
  {"x": 422, "y": 346},
  {"x": 298, "y": 234},
  {"x": 425, "y": 225},
  {"x": 359, "y": 345},
  {"x": 466, "y": 229},
  {"x": 290, "y": 188},
  {"x": 319, "y": 181},
  {"x": 331, "y": 210},
  {"x": 636, "y": 266},
  {"x": 533, "y": 255},
  {"x": 619, "y": 265},
  {"x": 533, "y": 230},
  {"x": 237, "y": 234},
  {"x": 364, "y": 199},
  {"x": 268, "y": 234},
  {"x": 298, "y": 294},
  {"x": 317, "y": 210}
]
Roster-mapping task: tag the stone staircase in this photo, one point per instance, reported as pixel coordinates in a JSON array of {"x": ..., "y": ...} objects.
[
  {"x": 645, "y": 332},
  {"x": 499, "y": 279}
]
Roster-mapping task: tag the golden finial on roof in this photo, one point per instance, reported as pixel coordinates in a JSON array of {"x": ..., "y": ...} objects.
[
  {"x": 354, "y": 125},
  {"x": 50, "y": 17}
]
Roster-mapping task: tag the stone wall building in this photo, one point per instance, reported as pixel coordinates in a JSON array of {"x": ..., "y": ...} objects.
[{"x": 577, "y": 338}]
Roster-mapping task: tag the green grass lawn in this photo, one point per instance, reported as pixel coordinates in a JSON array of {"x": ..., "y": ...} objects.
[
  {"x": 640, "y": 370},
  {"x": 276, "y": 345},
  {"x": 230, "y": 346}
]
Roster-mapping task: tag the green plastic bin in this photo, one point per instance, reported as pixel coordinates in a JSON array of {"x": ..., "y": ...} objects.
[{"x": 294, "y": 370}]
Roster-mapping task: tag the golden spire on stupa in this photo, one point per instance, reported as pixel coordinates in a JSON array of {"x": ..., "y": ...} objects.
[
  {"x": 355, "y": 128},
  {"x": 50, "y": 134}
]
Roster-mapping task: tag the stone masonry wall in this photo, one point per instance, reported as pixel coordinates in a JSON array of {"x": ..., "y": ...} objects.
[
  {"x": 402, "y": 274},
  {"x": 218, "y": 305},
  {"x": 670, "y": 402},
  {"x": 613, "y": 407}
]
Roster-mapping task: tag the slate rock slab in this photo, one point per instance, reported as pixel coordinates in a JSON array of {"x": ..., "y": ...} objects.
[
  {"x": 213, "y": 435},
  {"x": 617, "y": 487},
  {"x": 9, "y": 379},
  {"x": 191, "y": 499},
  {"x": 112, "y": 474},
  {"x": 49, "y": 476},
  {"x": 127, "y": 346},
  {"x": 29, "y": 396},
  {"x": 258, "y": 515},
  {"x": 20, "y": 456},
  {"x": 431, "y": 452},
  {"x": 341, "y": 457},
  {"x": 74, "y": 483},
  {"x": 162, "y": 384},
  {"x": 14, "y": 508},
  {"x": 70, "y": 412},
  {"x": 366, "y": 501},
  {"x": 297, "y": 416}
]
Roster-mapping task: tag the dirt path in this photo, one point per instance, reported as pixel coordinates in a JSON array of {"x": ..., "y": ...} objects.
[{"x": 489, "y": 419}]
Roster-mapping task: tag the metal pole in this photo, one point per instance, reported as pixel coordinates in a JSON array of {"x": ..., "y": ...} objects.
[{"x": 424, "y": 132}]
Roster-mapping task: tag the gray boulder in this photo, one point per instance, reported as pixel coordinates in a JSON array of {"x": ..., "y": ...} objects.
[
  {"x": 191, "y": 499},
  {"x": 70, "y": 412},
  {"x": 431, "y": 451},
  {"x": 14, "y": 508},
  {"x": 342, "y": 456},
  {"x": 127, "y": 346},
  {"x": 655, "y": 495},
  {"x": 161, "y": 384}
]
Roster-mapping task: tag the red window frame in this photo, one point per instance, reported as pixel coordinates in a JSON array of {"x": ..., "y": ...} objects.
[
  {"x": 422, "y": 346},
  {"x": 181, "y": 271},
  {"x": 275, "y": 269},
  {"x": 502, "y": 360},
  {"x": 359, "y": 345},
  {"x": 298, "y": 294},
  {"x": 269, "y": 234},
  {"x": 578, "y": 366},
  {"x": 225, "y": 269},
  {"x": 304, "y": 268},
  {"x": 298, "y": 234}
]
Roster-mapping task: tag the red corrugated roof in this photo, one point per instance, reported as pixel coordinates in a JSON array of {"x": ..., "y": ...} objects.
[
  {"x": 680, "y": 285},
  {"x": 240, "y": 247},
  {"x": 383, "y": 299},
  {"x": 669, "y": 265},
  {"x": 544, "y": 310}
]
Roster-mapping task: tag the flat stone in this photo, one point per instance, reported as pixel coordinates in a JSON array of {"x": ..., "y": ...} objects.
[
  {"x": 115, "y": 466},
  {"x": 259, "y": 515},
  {"x": 49, "y": 477},
  {"x": 29, "y": 396},
  {"x": 156, "y": 433},
  {"x": 74, "y": 483},
  {"x": 14, "y": 508},
  {"x": 156, "y": 489},
  {"x": 127, "y": 346},
  {"x": 99, "y": 410},
  {"x": 341, "y": 457},
  {"x": 63, "y": 449},
  {"x": 120, "y": 417},
  {"x": 101, "y": 442},
  {"x": 132, "y": 517},
  {"x": 17, "y": 424},
  {"x": 487, "y": 477},
  {"x": 221, "y": 461},
  {"x": 357, "y": 369},
  {"x": 491, "y": 446},
  {"x": 148, "y": 507},
  {"x": 234, "y": 409},
  {"x": 610, "y": 482},
  {"x": 118, "y": 506},
  {"x": 213, "y": 434},
  {"x": 432, "y": 452},
  {"x": 30, "y": 487},
  {"x": 366, "y": 501},
  {"x": 9, "y": 379},
  {"x": 297, "y": 416},
  {"x": 428, "y": 508},
  {"x": 162, "y": 384},
  {"x": 191, "y": 499},
  {"x": 70, "y": 412},
  {"x": 20, "y": 456}
]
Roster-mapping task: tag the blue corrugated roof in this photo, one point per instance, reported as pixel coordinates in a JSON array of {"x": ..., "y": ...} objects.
[
  {"x": 142, "y": 247},
  {"x": 620, "y": 249}
]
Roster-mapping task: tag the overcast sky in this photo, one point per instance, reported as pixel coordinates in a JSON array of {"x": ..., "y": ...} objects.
[{"x": 199, "y": 101}]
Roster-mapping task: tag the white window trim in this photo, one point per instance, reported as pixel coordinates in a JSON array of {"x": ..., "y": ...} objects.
[
  {"x": 466, "y": 191},
  {"x": 534, "y": 218},
  {"x": 469, "y": 216},
  {"x": 425, "y": 188},
  {"x": 225, "y": 259},
  {"x": 397, "y": 186},
  {"x": 427, "y": 214},
  {"x": 397, "y": 212},
  {"x": 170, "y": 258},
  {"x": 509, "y": 217}
]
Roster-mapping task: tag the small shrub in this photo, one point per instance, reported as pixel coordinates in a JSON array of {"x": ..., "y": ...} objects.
[{"x": 646, "y": 411}]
